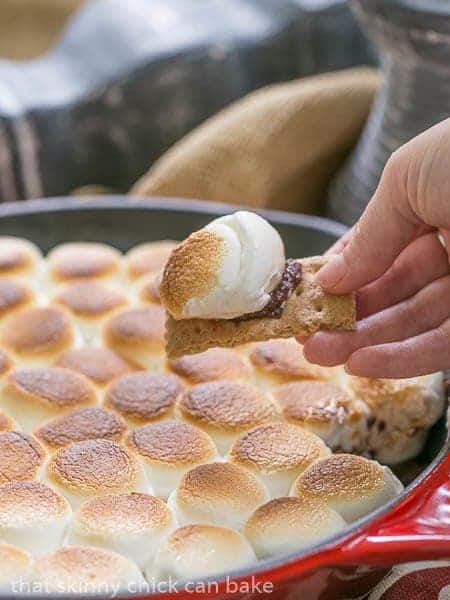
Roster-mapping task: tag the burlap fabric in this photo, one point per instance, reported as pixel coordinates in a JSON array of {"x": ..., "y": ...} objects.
[{"x": 277, "y": 147}]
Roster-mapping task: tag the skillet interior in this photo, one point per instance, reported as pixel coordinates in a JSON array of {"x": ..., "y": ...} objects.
[{"x": 124, "y": 222}]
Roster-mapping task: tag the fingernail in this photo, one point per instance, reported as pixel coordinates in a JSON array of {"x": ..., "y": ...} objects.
[{"x": 332, "y": 273}]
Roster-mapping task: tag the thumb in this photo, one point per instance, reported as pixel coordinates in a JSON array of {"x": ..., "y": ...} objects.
[{"x": 387, "y": 225}]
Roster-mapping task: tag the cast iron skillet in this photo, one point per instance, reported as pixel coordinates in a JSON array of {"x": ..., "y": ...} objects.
[{"x": 125, "y": 221}]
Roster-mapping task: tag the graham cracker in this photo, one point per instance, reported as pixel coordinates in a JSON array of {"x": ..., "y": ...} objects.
[{"x": 307, "y": 310}]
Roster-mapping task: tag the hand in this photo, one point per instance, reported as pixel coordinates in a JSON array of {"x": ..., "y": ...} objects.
[{"x": 397, "y": 259}]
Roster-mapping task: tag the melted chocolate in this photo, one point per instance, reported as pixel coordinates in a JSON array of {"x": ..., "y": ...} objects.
[{"x": 290, "y": 279}]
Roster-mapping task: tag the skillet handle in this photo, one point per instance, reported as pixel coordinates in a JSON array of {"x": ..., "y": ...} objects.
[{"x": 417, "y": 529}]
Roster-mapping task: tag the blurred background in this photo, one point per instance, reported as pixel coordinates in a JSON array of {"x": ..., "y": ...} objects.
[{"x": 275, "y": 103}]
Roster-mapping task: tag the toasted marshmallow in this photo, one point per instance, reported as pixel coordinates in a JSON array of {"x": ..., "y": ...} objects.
[
  {"x": 137, "y": 335},
  {"x": 277, "y": 453},
  {"x": 168, "y": 449},
  {"x": 94, "y": 468},
  {"x": 130, "y": 524},
  {"x": 148, "y": 258},
  {"x": 6, "y": 363},
  {"x": 21, "y": 457},
  {"x": 33, "y": 516},
  {"x": 33, "y": 395},
  {"x": 197, "y": 551},
  {"x": 225, "y": 270},
  {"x": 91, "y": 423},
  {"x": 82, "y": 570},
  {"x": 18, "y": 257},
  {"x": 217, "y": 494},
  {"x": 351, "y": 485},
  {"x": 283, "y": 359},
  {"x": 141, "y": 397},
  {"x": 288, "y": 524},
  {"x": 6, "y": 423},
  {"x": 148, "y": 290},
  {"x": 78, "y": 260},
  {"x": 15, "y": 567},
  {"x": 14, "y": 294},
  {"x": 401, "y": 413},
  {"x": 37, "y": 335},
  {"x": 225, "y": 409},
  {"x": 215, "y": 363},
  {"x": 326, "y": 409},
  {"x": 90, "y": 302},
  {"x": 100, "y": 365}
]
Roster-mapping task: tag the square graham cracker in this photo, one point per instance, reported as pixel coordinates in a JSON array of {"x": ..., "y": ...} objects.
[{"x": 307, "y": 310}]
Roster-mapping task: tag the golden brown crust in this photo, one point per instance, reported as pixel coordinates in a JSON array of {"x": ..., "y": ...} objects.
[
  {"x": 37, "y": 331},
  {"x": 308, "y": 309},
  {"x": 149, "y": 291},
  {"x": 277, "y": 447},
  {"x": 171, "y": 442},
  {"x": 82, "y": 568},
  {"x": 6, "y": 363},
  {"x": 94, "y": 465},
  {"x": 122, "y": 514},
  {"x": 191, "y": 270},
  {"x": 52, "y": 386},
  {"x": 215, "y": 363},
  {"x": 143, "y": 396},
  {"x": 15, "y": 564},
  {"x": 21, "y": 457},
  {"x": 83, "y": 259},
  {"x": 80, "y": 425},
  {"x": 320, "y": 401},
  {"x": 16, "y": 255},
  {"x": 227, "y": 405},
  {"x": 190, "y": 536},
  {"x": 101, "y": 365},
  {"x": 28, "y": 502},
  {"x": 6, "y": 423},
  {"x": 13, "y": 295},
  {"x": 148, "y": 257},
  {"x": 284, "y": 359},
  {"x": 343, "y": 476},
  {"x": 136, "y": 328},
  {"x": 220, "y": 482},
  {"x": 90, "y": 298}
]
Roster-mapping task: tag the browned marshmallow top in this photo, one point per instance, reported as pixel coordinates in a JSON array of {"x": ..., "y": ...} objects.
[
  {"x": 172, "y": 442},
  {"x": 148, "y": 257},
  {"x": 191, "y": 270},
  {"x": 52, "y": 386},
  {"x": 121, "y": 514},
  {"x": 277, "y": 447},
  {"x": 137, "y": 327},
  {"x": 13, "y": 294},
  {"x": 216, "y": 363},
  {"x": 79, "y": 425},
  {"x": 345, "y": 476},
  {"x": 313, "y": 401},
  {"x": 94, "y": 465},
  {"x": 143, "y": 396},
  {"x": 16, "y": 255},
  {"x": 283, "y": 358},
  {"x": 23, "y": 503},
  {"x": 37, "y": 331},
  {"x": 101, "y": 365},
  {"x": 21, "y": 456},
  {"x": 90, "y": 298},
  {"x": 226, "y": 405},
  {"x": 83, "y": 259}
]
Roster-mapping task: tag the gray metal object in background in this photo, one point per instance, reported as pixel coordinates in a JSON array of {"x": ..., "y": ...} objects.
[
  {"x": 413, "y": 39},
  {"x": 131, "y": 77}
]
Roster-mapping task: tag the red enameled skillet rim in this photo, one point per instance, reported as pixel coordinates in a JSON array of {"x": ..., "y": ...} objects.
[{"x": 359, "y": 542}]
